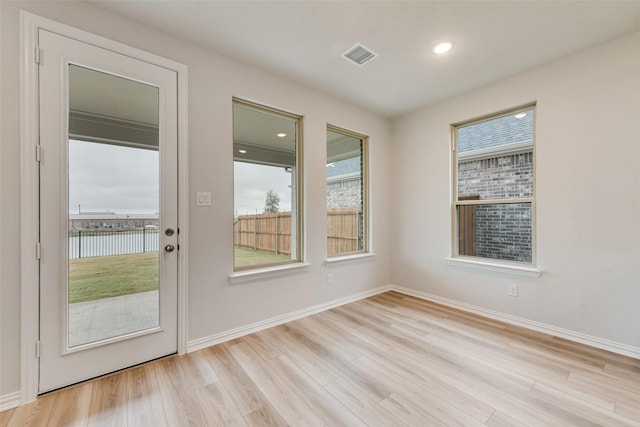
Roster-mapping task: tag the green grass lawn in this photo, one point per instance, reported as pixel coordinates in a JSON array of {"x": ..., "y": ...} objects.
[
  {"x": 245, "y": 257},
  {"x": 112, "y": 276}
]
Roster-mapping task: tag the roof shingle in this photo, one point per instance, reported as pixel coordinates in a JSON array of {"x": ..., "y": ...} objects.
[{"x": 495, "y": 132}]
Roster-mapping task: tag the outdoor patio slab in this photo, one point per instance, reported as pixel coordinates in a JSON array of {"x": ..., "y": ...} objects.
[{"x": 92, "y": 321}]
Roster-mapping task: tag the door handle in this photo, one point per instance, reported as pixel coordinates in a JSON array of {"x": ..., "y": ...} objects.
[{"x": 169, "y": 248}]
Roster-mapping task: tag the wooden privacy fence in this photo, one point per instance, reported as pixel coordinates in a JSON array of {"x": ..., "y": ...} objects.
[
  {"x": 344, "y": 230},
  {"x": 467, "y": 227},
  {"x": 271, "y": 232}
]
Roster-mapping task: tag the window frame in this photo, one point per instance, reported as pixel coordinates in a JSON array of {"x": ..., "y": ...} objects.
[
  {"x": 494, "y": 263},
  {"x": 366, "y": 233},
  {"x": 299, "y": 228}
]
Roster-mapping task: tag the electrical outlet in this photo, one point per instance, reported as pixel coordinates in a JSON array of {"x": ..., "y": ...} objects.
[
  {"x": 512, "y": 290},
  {"x": 330, "y": 279}
]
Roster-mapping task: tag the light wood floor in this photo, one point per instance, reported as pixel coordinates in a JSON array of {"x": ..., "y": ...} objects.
[{"x": 389, "y": 360}]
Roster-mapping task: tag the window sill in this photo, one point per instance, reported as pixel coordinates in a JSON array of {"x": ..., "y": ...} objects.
[
  {"x": 346, "y": 258},
  {"x": 496, "y": 267},
  {"x": 260, "y": 273}
]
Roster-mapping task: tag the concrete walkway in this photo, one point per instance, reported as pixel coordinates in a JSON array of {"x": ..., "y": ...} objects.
[{"x": 92, "y": 321}]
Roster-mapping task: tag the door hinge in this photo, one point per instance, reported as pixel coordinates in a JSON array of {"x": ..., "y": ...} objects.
[
  {"x": 38, "y": 349},
  {"x": 38, "y": 52},
  {"x": 38, "y": 153},
  {"x": 38, "y": 250}
]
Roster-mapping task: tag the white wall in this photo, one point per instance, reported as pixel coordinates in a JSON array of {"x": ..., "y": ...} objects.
[
  {"x": 214, "y": 305},
  {"x": 588, "y": 196}
]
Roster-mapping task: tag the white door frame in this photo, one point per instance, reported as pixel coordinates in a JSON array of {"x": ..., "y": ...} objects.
[{"x": 29, "y": 204}]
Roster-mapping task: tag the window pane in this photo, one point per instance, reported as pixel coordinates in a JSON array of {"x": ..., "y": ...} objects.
[
  {"x": 496, "y": 231},
  {"x": 265, "y": 229},
  {"x": 495, "y": 158},
  {"x": 346, "y": 216}
]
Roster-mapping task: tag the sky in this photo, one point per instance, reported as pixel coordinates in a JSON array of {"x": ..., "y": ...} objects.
[
  {"x": 124, "y": 180},
  {"x": 253, "y": 181},
  {"x": 110, "y": 178}
]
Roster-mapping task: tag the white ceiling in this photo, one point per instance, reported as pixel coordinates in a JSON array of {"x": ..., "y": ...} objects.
[{"x": 303, "y": 40}]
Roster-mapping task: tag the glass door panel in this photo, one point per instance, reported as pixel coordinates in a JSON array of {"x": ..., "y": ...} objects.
[{"x": 113, "y": 207}]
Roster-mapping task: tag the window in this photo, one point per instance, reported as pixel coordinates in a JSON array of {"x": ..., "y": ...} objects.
[
  {"x": 493, "y": 182},
  {"x": 347, "y": 218},
  {"x": 267, "y": 196}
]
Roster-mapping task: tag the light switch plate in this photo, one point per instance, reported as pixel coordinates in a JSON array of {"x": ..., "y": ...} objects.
[{"x": 203, "y": 198}]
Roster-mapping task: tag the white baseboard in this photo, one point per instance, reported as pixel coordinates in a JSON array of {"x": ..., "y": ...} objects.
[
  {"x": 612, "y": 346},
  {"x": 604, "y": 344},
  {"x": 221, "y": 337},
  {"x": 10, "y": 401}
]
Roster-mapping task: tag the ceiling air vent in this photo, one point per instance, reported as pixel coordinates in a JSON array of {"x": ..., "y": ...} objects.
[{"x": 359, "y": 54}]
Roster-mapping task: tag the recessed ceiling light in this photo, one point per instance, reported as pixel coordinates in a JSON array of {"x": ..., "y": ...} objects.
[
  {"x": 442, "y": 48},
  {"x": 281, "y": 135},
  {"x": 242, "y": 151},
  {"x": 520, "y": 115}
]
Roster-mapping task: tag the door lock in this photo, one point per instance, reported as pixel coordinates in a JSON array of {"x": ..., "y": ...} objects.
[{"x": 169, "y": 231}]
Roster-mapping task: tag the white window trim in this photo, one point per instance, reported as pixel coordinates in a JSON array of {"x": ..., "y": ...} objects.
[
  {"x": 490, "y": 264},
  {"x": 266, "y": 272},
  {"x": 349, "y": 257},
  {"x": 513, "y": 269}
]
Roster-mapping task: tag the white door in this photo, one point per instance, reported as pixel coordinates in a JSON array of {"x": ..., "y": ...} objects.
[{"x": 108, "y": 211}]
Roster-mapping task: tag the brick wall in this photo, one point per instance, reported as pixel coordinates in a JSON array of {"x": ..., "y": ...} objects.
[
  {"x": 344, "y": 193},
  {"x": 498, "y": 177},
  {"x": 503, "y": 232}
]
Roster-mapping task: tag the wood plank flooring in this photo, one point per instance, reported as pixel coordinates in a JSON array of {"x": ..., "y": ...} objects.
[{"x": 389, "y": 360}]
